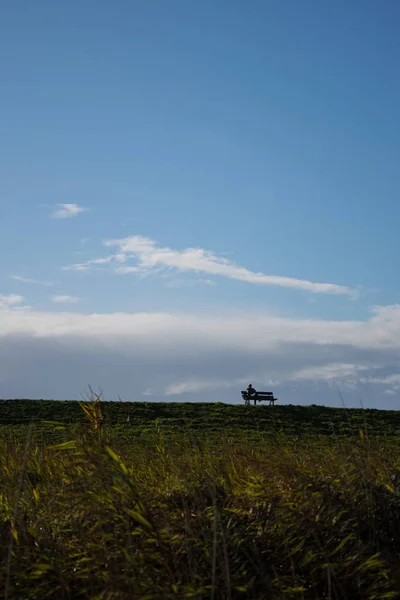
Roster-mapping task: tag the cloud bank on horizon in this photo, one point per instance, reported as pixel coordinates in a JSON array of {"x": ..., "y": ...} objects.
[{"x": 184, "y": 356}]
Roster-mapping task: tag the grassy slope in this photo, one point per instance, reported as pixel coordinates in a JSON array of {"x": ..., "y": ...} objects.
[
  {"x": 210, "y": 416},
  {"x": 157, "y": 510}
]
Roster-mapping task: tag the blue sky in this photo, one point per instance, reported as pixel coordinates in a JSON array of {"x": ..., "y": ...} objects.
[{"x": 195, "y": 194}]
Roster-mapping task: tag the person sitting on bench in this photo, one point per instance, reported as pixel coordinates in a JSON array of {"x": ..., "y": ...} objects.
[
  {"x": 251, "y": 394},
  {"x": 251, "y": 391}
]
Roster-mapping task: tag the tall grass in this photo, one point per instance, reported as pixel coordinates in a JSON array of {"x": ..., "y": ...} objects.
[{"x": 106, "y": 516}]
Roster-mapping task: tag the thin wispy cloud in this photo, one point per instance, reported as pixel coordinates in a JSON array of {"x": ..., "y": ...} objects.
[
  {"x": 178, "y": 282},
  {"x": 148, "y": 256},
  {"x": 330, "y": 371},
  {"x": 66, "y": 211},
  {"x": 148, "y": 392},
  {"x": 65, "y": 299},
  {"x": 95, "y": 262},
  {"x": 203, "y": 385},
  {"x": 32, "y": 281},
  {"x": 393, "y": 379}
]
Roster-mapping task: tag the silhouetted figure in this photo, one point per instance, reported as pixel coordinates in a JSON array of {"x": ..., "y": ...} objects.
[{"x": 251, "y": 392}]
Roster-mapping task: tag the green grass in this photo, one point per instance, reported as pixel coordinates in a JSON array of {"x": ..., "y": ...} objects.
[
  {"x": 163, "y": 501},
  {"x": 209, "y": 417}
]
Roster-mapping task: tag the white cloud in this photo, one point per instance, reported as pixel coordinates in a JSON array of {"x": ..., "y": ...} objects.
[
  {"x": 65, "y": 211},
  {"x": 149, "y": 256},
  {"x": 256, "y": 332},
  {"x": 10, "y": 301},
  {"x": 32, "y": 281},
  {"x": 199, "y": 260},
  {"x": 65, "y": 299}
]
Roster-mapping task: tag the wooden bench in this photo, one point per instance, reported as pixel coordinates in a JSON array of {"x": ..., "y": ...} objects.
[{"x": 258, "y": 397}]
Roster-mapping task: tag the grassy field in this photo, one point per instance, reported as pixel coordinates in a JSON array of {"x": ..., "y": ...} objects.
[{"x": 158, "y": 501}]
